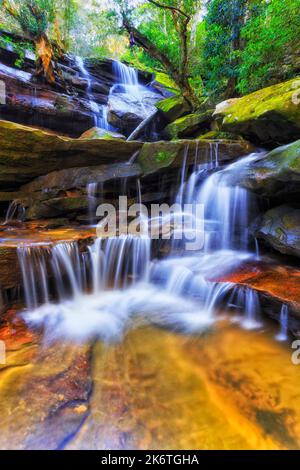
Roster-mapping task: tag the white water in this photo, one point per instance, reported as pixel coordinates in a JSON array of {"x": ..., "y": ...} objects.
[
  {"x": 99, "y": 111},
  {"x": 15, "y": 211},
  {"x": 101, "y": 291},
  {"x": 128, "y": 93},
  {"x": 284, "y": 322}
]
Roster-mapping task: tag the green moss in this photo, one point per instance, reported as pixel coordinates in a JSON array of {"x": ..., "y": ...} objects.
[
  {"x": 159, "y": 155},
  {"x": 187, "y": 125},
  {"x": 173, "y": 107},
  {"x": 167, "y": 82},
  {"x": 219, "y": 135},
  {"x": 280, "y": 98},
  {"x": 98, "y": 133}
]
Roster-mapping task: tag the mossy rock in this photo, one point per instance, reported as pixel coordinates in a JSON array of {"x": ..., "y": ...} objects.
[
  {"x": 219, "y": 135},
  {"x": 174, "y": 107},
  {"x": 163, "y": 79},
  {"x": 159, "y": 155},
  {"x": 98, "y": 133},
  {"x": 276, "y": 173},
  {"x": 26, "y": 153},
  {"x": 189, "y": 125},
  {"x": 270, "y": 116},
  {"x": 280, "y": 228}
]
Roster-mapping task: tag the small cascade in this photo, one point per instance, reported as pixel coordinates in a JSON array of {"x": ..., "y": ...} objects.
[
  {"x": 99, "y": 111},
  {"x": 284, "y": 322},
  {"x": 126, "y": 76},
  {"x": 127, "y": 260},
  {"x": 132, "y": 92},
  {"x": 16, "y": 211},
  {"x": 32, "y": 261},
  {"x": 46, "y": 269},
  {"x": 251, "y": 320},
  {"x": 92, "y": 189}
]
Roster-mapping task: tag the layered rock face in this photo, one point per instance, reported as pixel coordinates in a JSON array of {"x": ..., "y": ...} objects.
[{"x": 75, "y": 104}]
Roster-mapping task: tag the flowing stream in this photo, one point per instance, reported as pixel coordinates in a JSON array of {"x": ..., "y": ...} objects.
[{"x": 120, "y": 280}]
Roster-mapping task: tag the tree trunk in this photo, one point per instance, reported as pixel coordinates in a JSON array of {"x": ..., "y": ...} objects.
[{"x": 178, "y": 75}]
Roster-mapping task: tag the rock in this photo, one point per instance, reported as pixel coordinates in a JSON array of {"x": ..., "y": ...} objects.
[
  {"x": 173, "y": 108},
  {"x": 98, "y": 133},
  {"x": 80, "y": 177},
  {"x": 10, "y": 273},
  {"x": 126, "y": 112},
  {"x": 275, "y": 174},
  {"x": 62, "y": 107},
  {"x": 165, "y": 85},
  {"x": 219, "y": 135},
  {"x": 189, "y": 125},
  {"x": 158, "y": 155},
  {"x": 275, "y": 284},
  {"x": 270, "y": 116},
  {"x": 57, "y": 207},
  {"x": 280, "y": 228},
  {"x": 26, "y": 153}
]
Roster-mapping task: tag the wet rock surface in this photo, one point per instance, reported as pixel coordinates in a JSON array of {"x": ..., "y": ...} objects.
[
  {"x": 280, "y": 228},
  {"x": 270, "y": 116}
]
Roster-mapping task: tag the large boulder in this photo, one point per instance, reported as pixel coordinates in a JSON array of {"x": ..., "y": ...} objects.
[
  {"x": 275, "y": 174},
  {"x": 189, "y": 125},
  {"x": 280, "y": 228},
  {"x": 173, "y": 108},
  {"x": 270, "y": 116},
  {"x": 26, "y": 153},
  {"x": 127, "y": 111}
]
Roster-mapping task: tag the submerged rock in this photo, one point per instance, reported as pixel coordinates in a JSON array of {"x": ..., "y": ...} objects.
[
  {"x": 280, "y": 228},
  {"x": 270, "y": 116},
  {"x": 188, "y": 125}
]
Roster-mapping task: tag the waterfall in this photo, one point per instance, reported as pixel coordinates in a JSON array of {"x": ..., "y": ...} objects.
[
  {"x": 125, "y": 75},
  {"x": 32, "y": 261},
  {"x": 252, "y": 309},
  {"x": 117, "y": 277},
  {"x": 284, "y": 321},
  {"x": 15, "y": 211},
  {"x": 91, "y": 190},
  {"x": 99, "y": 111}
]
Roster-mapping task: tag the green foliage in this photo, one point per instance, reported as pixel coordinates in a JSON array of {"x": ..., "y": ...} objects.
[
  {"x": 251, "y": 43},
  {"x": 18, "y": 47},
  {"x": 224, "y": 21},
  {"x": 272, "y": 38}
]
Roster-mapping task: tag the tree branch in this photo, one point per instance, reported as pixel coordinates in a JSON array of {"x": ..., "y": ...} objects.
[{"x": 169, "y": 7}]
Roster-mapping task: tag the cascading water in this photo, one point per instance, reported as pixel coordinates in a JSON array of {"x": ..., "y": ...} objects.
[
  {"x": 120, "y": 280},
  {"x": 284, "y": 322},
  {"x": 99, "y": 111},
  {"x": 15, "y": 211}
]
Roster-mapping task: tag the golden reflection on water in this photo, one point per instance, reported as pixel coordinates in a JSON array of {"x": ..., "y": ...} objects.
[{"x": 229, "y": 389}]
